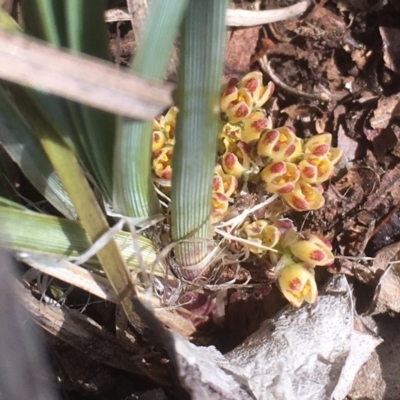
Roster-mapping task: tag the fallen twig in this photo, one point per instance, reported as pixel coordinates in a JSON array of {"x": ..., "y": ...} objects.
[
  {"x": 252, "y": 18},
  {"x": 85, "y": 335},
  {"x": 101, "y": 287},
  {"x": 234, "y": 17}
]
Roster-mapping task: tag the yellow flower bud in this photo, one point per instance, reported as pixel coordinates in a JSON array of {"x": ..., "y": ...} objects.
[
  {"x": 280, "y": 177},
  {"x": 228, "y": 93},
  {"x": 235, "y": 161},
  {"x": 315, "y": 169},
  {"x": 167, "y": 124},
  {"x": 260, "y": 94},
  {"x": 220, "y": 204},
  {"x": 253, "y": 127},
  {"x": 224, "y": 183},
  {"x": 318, "y": 145},
  {"x": 231, "y": 132},
  {"x": 335, "y": 154},
  {"x": 159, "y": 140},
  {"x": 297, "y": 283},
  {"x": 218, "y": 184},
  {"x": 259, "y": 113},
  {"x": 280, "y": 144},
  {"x": 162, "y": 160},
  {"x": 304, "y": 197},
  {"x": 236, "y": 104},
  {"x": 260, "y": 232},
  {"x": 240, "y": 99},
  {"x": 313, "y": 249}
]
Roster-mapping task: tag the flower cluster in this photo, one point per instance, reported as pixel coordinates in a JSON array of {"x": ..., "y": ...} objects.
[
  {"x": 315, "y": 165},
  {"x": 295, "y": 255},
  {"x": 295, "y": 271},
  {"x": 250, "y": 148},
  {"x": 289, "y": 166}
]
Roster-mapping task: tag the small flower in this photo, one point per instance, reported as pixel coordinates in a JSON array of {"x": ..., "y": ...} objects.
[
  {"x": 315, "y": 169},
  {"x": 260, "y": 232},
  {"x": 284, "y": 225},
  {"x": 231, "y": 131},
  {"x": 297, "y": 283},
  {"x": 218, "y": 184},
  {"x": 236, "y": 104},
  {"x": 165, "y": 126},
  {"x": 253, "y": 127},
  {"x": 235, "y": 161},
  {"x": 313, "y": 249},
  {"x": 220, "y": 204},
  {"x": 304, "y": 197},
  {"x": 162, "y": 160},
  {"x": 224, "y": 183},
  {"x": 240, "y": 99},
  {"x": 260, "y": 94},
  {"x": 321, "y": 145},
  {"x": 280, "y": 144},
  {"x": 318, "y": 145},
  {"x": 280, "y": 177},
  {"x": 159, "y": 140},
  {"x": 335, "y": 154}
]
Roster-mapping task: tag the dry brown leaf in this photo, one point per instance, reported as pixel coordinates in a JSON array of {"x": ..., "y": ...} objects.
[
  {"x": 387, "y": 294},
  {"x": 385, "y": 141},
  {"x": 384, "y": 257},
  {"x": 391, "y": 47},
  {"x": 396, "y": 132},
  {"x": 388, "y": 107},
  {"x": 347, "y": 144},
  {"x": 364, "y": 177},
  {"x": 389, "y": 182}
]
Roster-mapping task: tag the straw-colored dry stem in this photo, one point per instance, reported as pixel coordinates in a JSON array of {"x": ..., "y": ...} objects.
[
  {"x": 83, "y": 79},
  {"x": 234, "y": 17}
]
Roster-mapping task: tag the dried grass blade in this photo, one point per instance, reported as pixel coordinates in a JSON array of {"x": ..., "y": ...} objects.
[{"x": 80, "y": 78}]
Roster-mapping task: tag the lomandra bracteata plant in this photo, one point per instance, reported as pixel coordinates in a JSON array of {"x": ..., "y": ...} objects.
[{"x": 252, "y": 152}]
